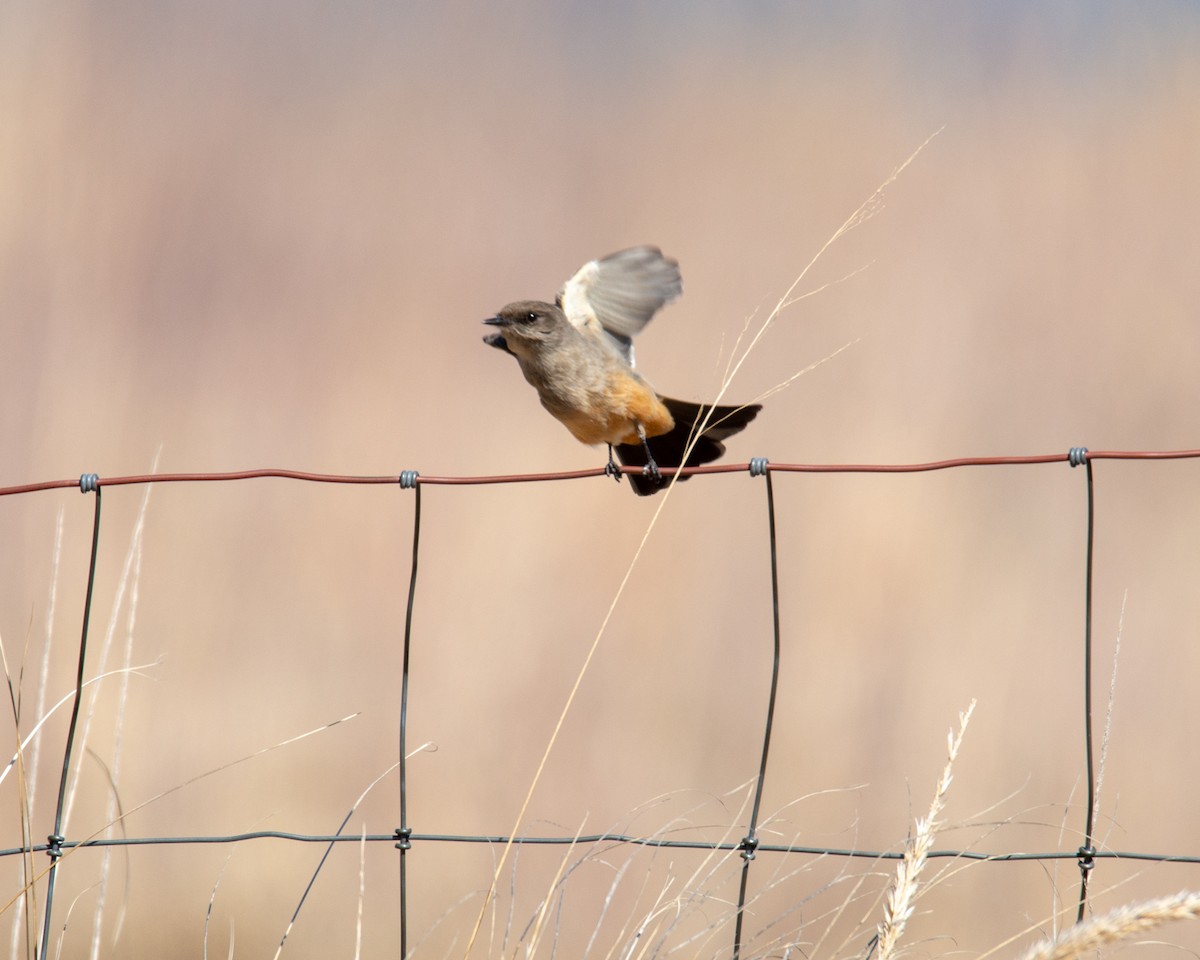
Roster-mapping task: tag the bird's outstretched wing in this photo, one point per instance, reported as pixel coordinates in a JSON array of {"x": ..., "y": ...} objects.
[{"x": 616, "y": 296}]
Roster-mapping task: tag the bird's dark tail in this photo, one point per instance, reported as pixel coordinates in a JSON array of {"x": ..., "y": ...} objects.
[{"x": 668, "y": 449}]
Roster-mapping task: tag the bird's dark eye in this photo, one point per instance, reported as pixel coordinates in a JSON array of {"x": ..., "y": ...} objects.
[{"x": 530, "y": 317}]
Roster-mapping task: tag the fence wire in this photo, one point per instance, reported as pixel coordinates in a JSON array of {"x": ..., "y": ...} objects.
[{"x": 404, "y": 837}]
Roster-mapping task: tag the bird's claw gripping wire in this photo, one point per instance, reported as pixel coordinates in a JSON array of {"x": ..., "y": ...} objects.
[
  {"x": 651, "y": 468},
  {"x": 611, "y": 469}
]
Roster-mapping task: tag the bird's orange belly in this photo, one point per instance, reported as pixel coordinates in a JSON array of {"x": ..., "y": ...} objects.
[{"x": 615, "y": 416}]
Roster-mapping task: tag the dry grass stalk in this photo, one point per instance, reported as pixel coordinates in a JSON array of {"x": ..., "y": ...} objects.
[
  {"x": 902, "y": 895},
  {"x": 1118, "y": 924},
  {"x": 864, "y": 212}
]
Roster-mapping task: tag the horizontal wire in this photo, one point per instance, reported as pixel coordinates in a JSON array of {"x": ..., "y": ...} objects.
[
  {"x": 989, "y": 461},
  {"x": 728, "y": 846}
]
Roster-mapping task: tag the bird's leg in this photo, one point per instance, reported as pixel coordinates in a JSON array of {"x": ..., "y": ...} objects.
[
  {"x": 651, "y": 468},
  {"x": 611, "y": 469}
]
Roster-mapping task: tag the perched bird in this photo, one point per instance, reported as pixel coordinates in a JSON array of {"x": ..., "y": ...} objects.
[{"x": 578, "y": 353}]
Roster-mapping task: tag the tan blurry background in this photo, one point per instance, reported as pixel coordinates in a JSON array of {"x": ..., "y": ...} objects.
[{"x": 246, "y": 235}]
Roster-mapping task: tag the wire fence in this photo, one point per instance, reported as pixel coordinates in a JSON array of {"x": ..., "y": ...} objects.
[{"x": 405, "y": 837}]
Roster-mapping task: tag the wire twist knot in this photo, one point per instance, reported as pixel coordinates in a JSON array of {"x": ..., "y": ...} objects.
[
  {"x": 1087, "y": 857},
  {"x": 89, "y": 483},
  {"x": 1077, "y": 456},
  {"x": 758, "y": 466},
  {"x": 54, "y": 851},
  {"x": 408, "y": 479},
  {"x": 747, "y": 847},
  {"x": 403, "y": 837}
]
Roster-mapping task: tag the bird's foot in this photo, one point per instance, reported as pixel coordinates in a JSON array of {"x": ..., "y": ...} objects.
[
  {"x": 611, "y": 469},
  {"x": 651, "y": 468}
]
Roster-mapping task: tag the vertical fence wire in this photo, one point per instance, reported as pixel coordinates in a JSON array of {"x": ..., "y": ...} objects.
[
  {"x": 89, "y": 483},
  {"x": 404, "y": 832},
  {"x": 1087, "y": 851},
  {"x": 750, "y": 843}
]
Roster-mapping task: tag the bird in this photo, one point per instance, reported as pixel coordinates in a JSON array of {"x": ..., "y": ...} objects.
[{"x": 577, "y": 352}]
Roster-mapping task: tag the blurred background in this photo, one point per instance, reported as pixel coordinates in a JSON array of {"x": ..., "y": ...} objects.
[{"x": 263, "y": 234}]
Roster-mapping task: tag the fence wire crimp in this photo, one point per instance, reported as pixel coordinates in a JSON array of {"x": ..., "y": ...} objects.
[
  {"x": 1077, "y": 456},
  {"x": 54, "y": 848},
  {"x": 748, "y": 846}
]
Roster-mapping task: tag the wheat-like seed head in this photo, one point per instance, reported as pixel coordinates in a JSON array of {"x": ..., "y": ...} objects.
[
  {"x": 1118, "y": 924},
  {"x": 902, "y": 894}
]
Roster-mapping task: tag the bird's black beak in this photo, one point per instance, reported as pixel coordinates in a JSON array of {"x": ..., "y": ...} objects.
[{"x": 497, "y": 339}]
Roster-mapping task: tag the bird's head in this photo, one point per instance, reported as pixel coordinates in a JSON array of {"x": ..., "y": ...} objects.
[{"x": 526, "y": 326}]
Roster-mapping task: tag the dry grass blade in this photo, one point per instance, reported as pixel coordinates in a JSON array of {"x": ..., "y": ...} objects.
[
  {"x": 26, "y": 816},
  {"x": 212, "y": 900},
  {"x": 43, "y": 682},
  {"x": 864, "y": 212},
  {"x": 544, "y": 908},
  {"x": 30, "y": 738},
  {"x": 27, "y": 765},
  {"x": 131, "y": 576},
  {"x": 869, "y": 207},
  {"x": 362, "y": 892},
  {"x": 325, "y": 856},
  {"x": 1119, "y": 924},
  {"x": 902, "y": 895},
  {"x": 127, "y": 587},
  {"x": 562, "y": 718},
  {"x": 1108, "y": 717},
  {"x": 175, "y": 789}
]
